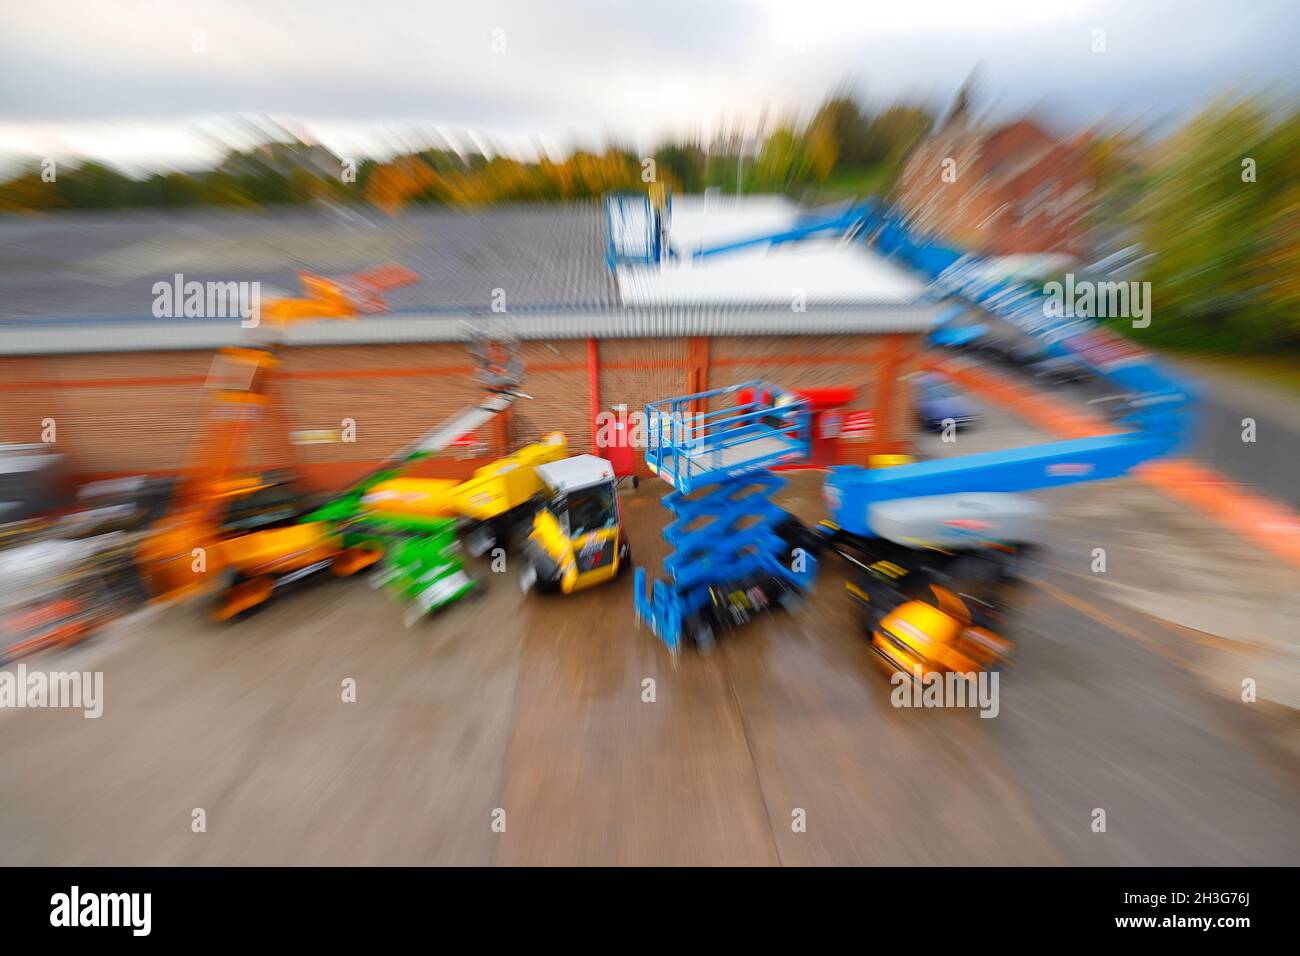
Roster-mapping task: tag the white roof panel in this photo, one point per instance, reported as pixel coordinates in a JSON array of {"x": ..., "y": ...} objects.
[
  {"x": 580, "y": 471},
  {"x": 823, "y": 271},
  {"x": 700, "y": 221}
]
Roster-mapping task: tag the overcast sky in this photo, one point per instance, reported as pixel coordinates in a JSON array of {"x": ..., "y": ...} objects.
[{"x": 164, "y": 83}]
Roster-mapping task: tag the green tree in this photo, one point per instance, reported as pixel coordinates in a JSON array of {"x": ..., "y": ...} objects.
[
  {"x": 847, "y": 122},
  {"x": 94, "y": 185},
  {"x": 892, "y": 134},
  {"x": 1225, "y": 247},
  {"x": 779, "y": 160},
  {"x": 682, "y": 166}
]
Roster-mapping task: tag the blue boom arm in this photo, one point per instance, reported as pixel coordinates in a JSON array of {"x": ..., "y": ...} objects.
[
  {"x": 1156, "y": 410},
  {"x": 843, "y": 223},
  {"x": 851, "y": 491}
]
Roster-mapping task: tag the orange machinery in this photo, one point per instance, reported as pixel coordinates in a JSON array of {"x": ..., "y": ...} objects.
[{"x": 207, "y": 528}]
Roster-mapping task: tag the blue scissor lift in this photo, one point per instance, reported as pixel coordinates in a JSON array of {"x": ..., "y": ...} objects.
[{"x": 728, "y": 561}]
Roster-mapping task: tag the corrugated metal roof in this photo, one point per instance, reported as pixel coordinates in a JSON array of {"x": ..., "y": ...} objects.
[
  {"x": 73, "y": 283},
  {"x": 70, "y": 265},
  {"x": 132, "y": 335}
]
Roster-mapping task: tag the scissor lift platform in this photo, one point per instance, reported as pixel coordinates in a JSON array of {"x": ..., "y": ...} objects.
[
  {"x": 690, "y": 445},
  {"x": 728, "y": 562}
]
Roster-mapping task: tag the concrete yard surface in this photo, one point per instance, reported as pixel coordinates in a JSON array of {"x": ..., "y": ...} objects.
[{"x": 537, "y": 707}]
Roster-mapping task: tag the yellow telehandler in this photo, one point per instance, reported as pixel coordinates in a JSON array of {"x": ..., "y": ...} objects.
[{"x": 562, "y": 512}]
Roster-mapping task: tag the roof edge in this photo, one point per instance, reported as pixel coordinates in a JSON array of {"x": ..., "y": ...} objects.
[{"x": 127, "y": 335}]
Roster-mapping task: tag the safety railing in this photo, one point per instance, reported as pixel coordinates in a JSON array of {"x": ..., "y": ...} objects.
[
  {"x": 622, "y": 210},
  {"x": 687, "y": 446}
]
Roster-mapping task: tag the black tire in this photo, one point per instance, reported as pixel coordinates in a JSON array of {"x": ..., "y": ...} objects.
[
  {"x": 705, "y": 641},
  {"x": 798, "y": 535},
  {"x": 1013, "y": 565},
  {"x": 545, "y": 585},
  {"x": 872, "y": 615}
]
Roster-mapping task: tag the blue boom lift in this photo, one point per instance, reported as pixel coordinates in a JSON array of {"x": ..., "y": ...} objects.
[{"x": 737, "y": 552}]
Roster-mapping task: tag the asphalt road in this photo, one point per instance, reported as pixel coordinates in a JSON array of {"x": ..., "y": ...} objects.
[
  {"x": 535, "y": 707},
  {"x": 1270, "y": 463}
]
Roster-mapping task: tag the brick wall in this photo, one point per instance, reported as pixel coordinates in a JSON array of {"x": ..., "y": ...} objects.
[
  {"x": 113, "y": 412},
  {"x": 131, "y": 412},
  {"x": 557, "y": 380}
]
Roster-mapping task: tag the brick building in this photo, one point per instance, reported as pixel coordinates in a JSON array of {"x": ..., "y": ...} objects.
[
  {"x": 1014, "y": 189},
  {"x": 127, "y": 391}
]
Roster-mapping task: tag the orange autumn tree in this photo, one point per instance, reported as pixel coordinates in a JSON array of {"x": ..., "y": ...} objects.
[{"x": 392, "y": 185}]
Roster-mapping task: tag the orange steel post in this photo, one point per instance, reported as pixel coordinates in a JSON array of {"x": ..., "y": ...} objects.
[
  {"x": 888, "y": 359},
  {"x": 593, "y": 389},
  {"x": 697, "y": 362}
]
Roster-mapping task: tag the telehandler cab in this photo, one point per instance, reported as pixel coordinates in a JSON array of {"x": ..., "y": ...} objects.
[{"x": 577, "y": 537}]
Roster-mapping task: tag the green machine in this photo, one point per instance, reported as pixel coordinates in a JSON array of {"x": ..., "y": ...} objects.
[{"x": 422, "y": 561}]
